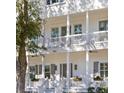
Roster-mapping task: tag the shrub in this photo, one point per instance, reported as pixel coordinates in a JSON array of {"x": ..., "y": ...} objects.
[
  {"x": 91, "y": 90},
  {"x": 101, "y": 90}
]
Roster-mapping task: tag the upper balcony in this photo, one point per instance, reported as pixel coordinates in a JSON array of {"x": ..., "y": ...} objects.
[
  {"x": 78, "y": 42},
  {"x": 59, "y": 7}
]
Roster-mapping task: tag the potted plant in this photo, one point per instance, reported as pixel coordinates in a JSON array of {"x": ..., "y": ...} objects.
[
  {"x": 98, "y": 78},
  {"x": 33, "y": 78}
]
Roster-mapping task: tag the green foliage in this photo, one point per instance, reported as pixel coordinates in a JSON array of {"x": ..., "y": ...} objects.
[
  {"x": 32, "y": 46},
  {"x": 91, "y": 90},
  {"x": 101, "y": 90},
  {"x": 98, "y": 90},
  {"x": 98, "y": 78},
  {"x": 28, "y": 24},
  {"x": 77, "y": 78},
  {"x": 32, "y": 77},
  {"x": 28, "y": 29}
]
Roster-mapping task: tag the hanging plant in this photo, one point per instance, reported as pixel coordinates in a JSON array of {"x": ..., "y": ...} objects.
[
  {"x": 34, "y": 79},
  {"x": 77, "y": 78}
]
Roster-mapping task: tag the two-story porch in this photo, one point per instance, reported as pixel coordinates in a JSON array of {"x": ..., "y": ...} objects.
[{"x": 71, "y": 53}]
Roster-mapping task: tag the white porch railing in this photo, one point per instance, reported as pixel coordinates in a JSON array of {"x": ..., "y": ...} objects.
[
  {"x": 59, "y": 9},
  {"x": 38, "y": 87},
  {"x": 94, "y": 39},
  {"x": 49, "y": 86},
  {"x": 61, "y": 85},
  {"x": 42, "y": 88}
]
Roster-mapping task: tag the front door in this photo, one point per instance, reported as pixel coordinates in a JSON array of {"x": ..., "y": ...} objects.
[
  {"x": 50, "y": 70},
  {"x": 63, "y": 70}
]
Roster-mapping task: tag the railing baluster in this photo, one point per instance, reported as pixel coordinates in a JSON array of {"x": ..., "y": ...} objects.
[{"x": 95, "y": 39}]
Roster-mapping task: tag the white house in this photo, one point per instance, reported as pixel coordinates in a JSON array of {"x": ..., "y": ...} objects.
[{"x": 76, "y": 37}]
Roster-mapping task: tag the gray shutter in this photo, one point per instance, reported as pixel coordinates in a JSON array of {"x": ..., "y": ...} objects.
[
  {"x": 96, "y": 67},
  {"x": 71, "y": 69},
  {"x": 32, "y": 69},
  {"x": 52, "y": 69},
  {"x": 40, "y": 69},
  {"x": 36, "y": 69},
  {"x": 60, "y": 70},
  {"x": 64, "y": 70}
]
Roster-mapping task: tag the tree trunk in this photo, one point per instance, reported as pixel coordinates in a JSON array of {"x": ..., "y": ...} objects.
[
  {"x": 22, "y": 64},
  {"x": 22, "y": 52}
]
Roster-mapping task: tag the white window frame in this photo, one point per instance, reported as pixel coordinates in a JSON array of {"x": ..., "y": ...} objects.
[
  {"x": 49, "y": 72},
  {"x": 74, "y": 28},
  {"x": 61, "y": 30},
  {"x": 99, "y": 69},
  {"x": 103, "y": 19},
  {"x": 102, "y": 70},
  {"x": 66, "y": 68},
  {"x": 52, "y": 31},
  {"x": 38, "y": 74},
  {"x": 57, "y": 2}
]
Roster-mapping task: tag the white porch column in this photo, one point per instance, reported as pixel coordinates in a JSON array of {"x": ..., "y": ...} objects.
[
  {"x": 67, "y": 44},
  {"x": 43, "y": 33},
  {"x": 87, "y": 50},
  {"x": 43, "y": 67},
  {"x": 27, "y": 77},
  {"x": 68, "y": 68},
  {"x": 43, "y": 56}
]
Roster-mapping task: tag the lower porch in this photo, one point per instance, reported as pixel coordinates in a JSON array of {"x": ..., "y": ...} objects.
[{"x": 52, "y": 75}]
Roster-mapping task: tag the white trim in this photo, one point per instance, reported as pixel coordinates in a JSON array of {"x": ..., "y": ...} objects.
[
  {"x": 74, "y": 27},
  {"x": 59, "y": 31},
  {"x": 103, "y": 70},
  {"x": 52, "y": 30}
]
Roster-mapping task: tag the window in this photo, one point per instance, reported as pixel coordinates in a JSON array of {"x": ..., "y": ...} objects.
[
  {"x": 96, "y": 68},
  {"x": 78, "y": 29},
  {"x": 103, "y": 25},
  {"x": 55, "y": 32},
  {"x": 37, "y": 69},
  {"x": 47, "y": 71},
  {"x": 48, "y": 2},
  {"x": 53, "y": 1},
  {"x": 53, "y": 69},
  {"x": 75, "y": 67},
  {"x": 47, "y": 68},
  {"x": 63, "y": 31},
  {"x": 103, "y": 69},
  {"x": 32, "y": 69}
]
